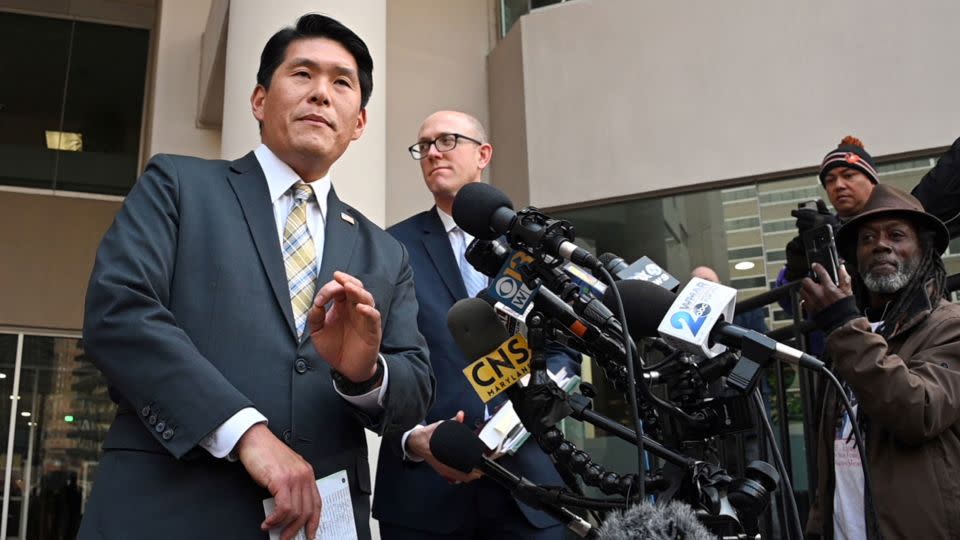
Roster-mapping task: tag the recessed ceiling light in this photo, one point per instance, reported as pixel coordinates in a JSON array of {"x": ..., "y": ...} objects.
[
  {"x": 744, "y": 265},
  {"x": 64, "y": 140},
  {"x": 25, "y": 414}
]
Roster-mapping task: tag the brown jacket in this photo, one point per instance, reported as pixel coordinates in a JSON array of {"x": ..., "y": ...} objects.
[{"x": 909, "y": 395}]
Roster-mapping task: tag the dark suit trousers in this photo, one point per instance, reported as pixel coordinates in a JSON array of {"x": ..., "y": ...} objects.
[{"x": 496, "y": 517}]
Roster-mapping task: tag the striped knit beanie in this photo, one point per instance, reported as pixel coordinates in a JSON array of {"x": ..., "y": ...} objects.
[{"x": 851, "y": 154}]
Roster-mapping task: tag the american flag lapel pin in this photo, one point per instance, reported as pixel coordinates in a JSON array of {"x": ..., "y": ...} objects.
[{"x": 347, "y": 217}]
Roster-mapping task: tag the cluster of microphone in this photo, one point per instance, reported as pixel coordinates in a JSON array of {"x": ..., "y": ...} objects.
[{"x": 546, "y": 288}]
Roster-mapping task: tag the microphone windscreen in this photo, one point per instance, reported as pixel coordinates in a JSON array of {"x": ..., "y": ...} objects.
[
  {"x": 644, "y": 305},
  {"x": 612, "y": 262},
  {"x": 456, "y": 446},
  {"x": 475, "y": 327},
  {"x": 474, "y": 206},
  {"x": 654, "y": 522}
]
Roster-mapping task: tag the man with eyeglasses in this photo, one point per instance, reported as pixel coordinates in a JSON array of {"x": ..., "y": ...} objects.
[{"x": 417, "y": 497}]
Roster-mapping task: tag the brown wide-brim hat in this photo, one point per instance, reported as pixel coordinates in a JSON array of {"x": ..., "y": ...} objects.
[{"x": 887, "y": 201}]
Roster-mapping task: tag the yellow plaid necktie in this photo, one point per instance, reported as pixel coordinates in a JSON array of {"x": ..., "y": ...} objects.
[{"x": 300, "y": 256}]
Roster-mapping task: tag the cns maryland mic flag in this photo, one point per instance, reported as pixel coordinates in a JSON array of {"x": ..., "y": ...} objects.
[{"x": 500, "y": 369}]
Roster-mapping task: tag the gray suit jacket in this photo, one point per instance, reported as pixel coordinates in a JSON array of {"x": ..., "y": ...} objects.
[{"x": 188, "y": 316}]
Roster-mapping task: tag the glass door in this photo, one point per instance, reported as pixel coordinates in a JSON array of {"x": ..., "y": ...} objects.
[{"x": 55, "y": 418}]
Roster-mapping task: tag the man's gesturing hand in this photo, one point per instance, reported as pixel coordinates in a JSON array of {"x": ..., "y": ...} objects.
[
  {"x": 347, "y": 335},
  {"x": 287, "y": 476}
]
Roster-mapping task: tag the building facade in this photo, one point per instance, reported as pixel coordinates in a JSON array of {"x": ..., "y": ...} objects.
[{"x": 682, "y": 131}]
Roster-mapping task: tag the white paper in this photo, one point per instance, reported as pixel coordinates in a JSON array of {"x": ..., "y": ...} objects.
[
  {"x": 504, "y": 433},
  {"x": 336, "y": 517}
]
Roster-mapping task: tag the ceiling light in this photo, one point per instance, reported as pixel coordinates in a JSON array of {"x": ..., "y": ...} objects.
[
  {"x": 25, "y": 414},
  {"x": 64, "y": 140},
  {"x": 744, "y": 265}
]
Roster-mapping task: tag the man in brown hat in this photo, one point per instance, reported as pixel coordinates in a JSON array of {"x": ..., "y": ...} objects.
[{"x": 894, "y": 341}]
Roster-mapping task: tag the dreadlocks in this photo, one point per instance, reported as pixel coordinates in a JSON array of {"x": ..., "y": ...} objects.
[{"x": 929, "y": 279}]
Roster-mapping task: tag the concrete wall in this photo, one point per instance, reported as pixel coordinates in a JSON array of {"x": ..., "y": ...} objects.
[
  {"x": 436, "y": 59},
  {"x": 508, "y": 118},
  {"x": 174, "y": 84},
  {"x": 624, "y": 97},
  {"x": 49, "y": 245}
]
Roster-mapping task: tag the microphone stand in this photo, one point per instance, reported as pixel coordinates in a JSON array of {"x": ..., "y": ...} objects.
[{"x": 582, "y": 411}]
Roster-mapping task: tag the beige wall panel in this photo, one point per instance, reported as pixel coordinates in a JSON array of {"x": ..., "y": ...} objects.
[
  {"x": 436, "y": 59},
  {"x": 508, "y": 118},
  {"x": 624, "y": 97},
  {"x": 172, "y": 121},
  {"x": 49, "y": 246}
]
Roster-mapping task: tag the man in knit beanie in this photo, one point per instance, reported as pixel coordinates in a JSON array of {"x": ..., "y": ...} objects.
[{"x": 848, "y": 174}]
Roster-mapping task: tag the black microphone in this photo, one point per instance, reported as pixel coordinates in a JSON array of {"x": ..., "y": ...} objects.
[
  {"x": 614, "y": 264},
  {"x": 646, "y": 304},
  {"x": 591, "y": 322},
  {"x": 497, "y": 359},
  {"x": 487, "y": 213},
  {"x": 647, "y": 521},
  {"x": 456, "y": 446},
  {"x": 643, "y": 269}
]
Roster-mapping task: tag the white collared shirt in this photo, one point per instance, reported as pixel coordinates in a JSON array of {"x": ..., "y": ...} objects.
[
  {"x": 280, "y": 178},
  {"x": 448, "y": 225}
]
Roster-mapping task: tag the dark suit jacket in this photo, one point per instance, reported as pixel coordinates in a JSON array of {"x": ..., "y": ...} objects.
[
  {"x": 413, "y": 495},
  {"x": 188, "y": 316}
]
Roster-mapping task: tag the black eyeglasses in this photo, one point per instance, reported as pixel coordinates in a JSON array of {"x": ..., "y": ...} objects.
[{"x": 444, "y": 143}]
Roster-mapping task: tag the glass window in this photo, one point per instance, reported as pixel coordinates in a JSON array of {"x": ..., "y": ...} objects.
[
  {"x": 746, "y": 253},
  {"x": 72, "y": 120},
  {"x": 791, "y": 195},
  {"x": 512, "y": 10},
  {"x": 739, "y": 194},
  {"x": 32, "y": 106},
  {"x": 776, "y": 255},
  {"x": 748, "y": 283},
  {"x": 742, "y": 223},
  {"x": 63, "y": 414},
  {"x": 779, "y": 225}
]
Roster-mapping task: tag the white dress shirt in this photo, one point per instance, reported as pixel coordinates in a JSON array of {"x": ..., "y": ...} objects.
[{"x": 280, "y": 178}]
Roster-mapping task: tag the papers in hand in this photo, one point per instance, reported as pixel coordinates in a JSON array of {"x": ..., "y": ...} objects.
[
  {"x": 504, "y": 433},
  {"x": 336, "y": 517}
]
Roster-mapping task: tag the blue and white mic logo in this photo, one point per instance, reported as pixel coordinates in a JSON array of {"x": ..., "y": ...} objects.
[{"x": 691, "y": 318}]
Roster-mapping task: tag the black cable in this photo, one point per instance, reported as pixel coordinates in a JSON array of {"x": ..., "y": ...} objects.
[
  {"x": 631, "y": 381},
  {"x": 786, "y": 486},
  {"x": 870, "y": 505},
  {"x": 666, "y": 360},
  {"x": 561, "y": 497}
]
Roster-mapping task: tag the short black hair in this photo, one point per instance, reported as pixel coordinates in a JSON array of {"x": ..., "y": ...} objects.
[{"x": 313, "y": 25}]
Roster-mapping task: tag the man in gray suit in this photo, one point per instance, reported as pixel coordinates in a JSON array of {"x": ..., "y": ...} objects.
[{"x": 250, "y": 324}]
